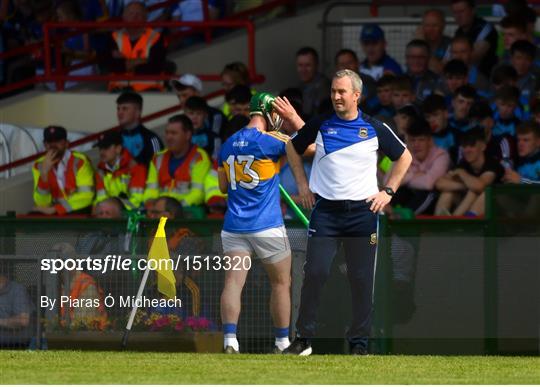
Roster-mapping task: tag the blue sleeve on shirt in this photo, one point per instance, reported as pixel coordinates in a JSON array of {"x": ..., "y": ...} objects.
[{"x": 389, "y": 143}]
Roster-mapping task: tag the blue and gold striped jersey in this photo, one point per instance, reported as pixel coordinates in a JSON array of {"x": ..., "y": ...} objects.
[{"x": 251, "y": 158}]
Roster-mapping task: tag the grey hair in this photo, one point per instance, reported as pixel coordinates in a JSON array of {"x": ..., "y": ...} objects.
[{"x": 353, "y": 76}]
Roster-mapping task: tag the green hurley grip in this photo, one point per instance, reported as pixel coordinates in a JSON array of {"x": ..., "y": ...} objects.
[{"x": 298, "y": 212}]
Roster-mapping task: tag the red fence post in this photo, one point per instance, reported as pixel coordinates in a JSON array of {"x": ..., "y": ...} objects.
[{"x": 251, "y": 49}]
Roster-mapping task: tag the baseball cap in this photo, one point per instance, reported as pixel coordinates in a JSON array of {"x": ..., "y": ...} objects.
[
  {"x": 188, "y": 80},
  {"x": 111, "y": 137},
  {"x": 371, "y": 33},
  {"x": 54, "y": 133}
]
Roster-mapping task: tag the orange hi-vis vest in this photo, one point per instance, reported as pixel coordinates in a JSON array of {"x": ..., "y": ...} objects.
[
  {"x": 126, "y": 181},
  {"x": 78, "y": 191},
  {"x": 141, "y": 50},
  {"x": 186, "y": 185},
  {"x": 79, "y": 285}
]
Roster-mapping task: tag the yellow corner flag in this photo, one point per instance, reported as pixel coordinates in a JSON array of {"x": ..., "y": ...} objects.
[{"x": 159, "y": 252}]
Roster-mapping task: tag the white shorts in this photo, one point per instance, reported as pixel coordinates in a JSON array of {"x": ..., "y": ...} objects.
[{"x": 270, "y": 246}]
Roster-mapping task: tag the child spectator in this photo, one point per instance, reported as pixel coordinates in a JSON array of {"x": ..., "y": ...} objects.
[
  {"x": 528, "y": 163},
  {"x": 462, "y": 49},
  {"x": 404, "y": 119},
  {"x": 429, "y": 164},
  {"x": 501, "y": 148},
  {"x": 462, "y": 189},
  {"x": 203, "y": 135},
  {"x": 436, "y": 114},
  {"x": 462, "y": 101},
  {"x": 513, "y": 29},
  {"x": 402, "y": 92},
  {"x": 522, "y": 54},
  {"x": 454, "y": 76},
  {"x": 238, "y": 99},
  {"x": 503, "y": 75},
  {"x": 384, "y": 107},
  {"x": 506, "y": 102}
]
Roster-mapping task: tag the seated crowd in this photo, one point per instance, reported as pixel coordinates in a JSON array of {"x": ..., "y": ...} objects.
[{"x": 467, "y": 106}]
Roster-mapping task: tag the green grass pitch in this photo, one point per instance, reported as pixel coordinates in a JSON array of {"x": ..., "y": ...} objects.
[{"x": 76, "y": 367}]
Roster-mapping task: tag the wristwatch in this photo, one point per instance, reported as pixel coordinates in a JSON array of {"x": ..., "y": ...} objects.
[{"x": 389, "y": 191}]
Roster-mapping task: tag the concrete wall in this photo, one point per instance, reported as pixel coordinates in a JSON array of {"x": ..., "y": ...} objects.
[{"x": 82, "y": 112}]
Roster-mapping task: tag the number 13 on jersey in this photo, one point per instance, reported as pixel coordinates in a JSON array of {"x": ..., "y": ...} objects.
[{"x": 240, "y": 171}]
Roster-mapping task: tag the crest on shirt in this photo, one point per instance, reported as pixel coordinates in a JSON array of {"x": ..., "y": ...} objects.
[
  {"x": 373, "y": 239},
  {"x": 363, "y": 133}
]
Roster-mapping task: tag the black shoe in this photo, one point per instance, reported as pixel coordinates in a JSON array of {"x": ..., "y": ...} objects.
[
  {"x": 359, "y": 350},
  {"x": 300, "y": 347},
  {"x": 276, "y": 350},
  {"x": 229, "y": 350}
]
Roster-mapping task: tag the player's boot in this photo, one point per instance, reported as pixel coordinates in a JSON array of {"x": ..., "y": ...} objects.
[
  {"x": 300, "y": 347},
  {"x": 229, "y": 350},
  {"x": 358, "y": 350}
]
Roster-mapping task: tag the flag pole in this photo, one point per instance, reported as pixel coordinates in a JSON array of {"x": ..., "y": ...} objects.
[
  {"x": 134, "y": 309},
  {"x": 290, "y": 202}
]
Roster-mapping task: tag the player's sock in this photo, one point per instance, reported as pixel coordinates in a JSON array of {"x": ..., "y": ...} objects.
[
  {"x": 229, "y": 336},
  {"x": 282, "y": 338}
]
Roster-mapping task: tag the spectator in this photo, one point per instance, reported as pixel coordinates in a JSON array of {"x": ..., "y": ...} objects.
[
  {"x": 405, "y": 117},
  {"x": 140, "y": 142},
  {"x": 384, "y": 107},
  {"x": 117, "y": 174},
  {"x": 436, "y": 114},
  {"x": 424, "y": 80},
  {"x": 110, "y": 208},
  {"x": 462, "y": 189},
  {"x": 204, "y": 136},
  {"x": 235, "y": 73},
  {"x": 462, "y": 49},
  {"x": 432, "y": 31},
  {"x": 513, "y": 28},
  {"x": 188, "y": 85},
  {"x": 167, "y": 207},
  {"x": 83, "y": 286},
  {"x": 238, "y": 99},
  {"x": 402, "y": 92},
  {"x": 528, "y": 163},
  {"x": 504, "y": 75},
  {"x": 463, "y": 99},
  {"x": 522, "y": 54},
  {"x": 313, "y": 84},
  {"x": 15, "y": 309},
  {"x": 501, "y": 148},
  {"x": 346, "y": 59},
  {"x": 136, "y": 50},
  {"x": 428, "y": 165},
  {"x": 454, "y": 76},
  {"x": 377, "y": 62},
  {"x": 480, "y": 33},
  {"x": 77, "y": 48},
  {"x": 506, "y": 102},
  {"x": 179, "y": 170},
  {"x": 63, "y": 179}
]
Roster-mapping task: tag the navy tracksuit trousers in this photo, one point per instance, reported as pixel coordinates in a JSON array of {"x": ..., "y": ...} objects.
[{"x": 353, "y": 225}]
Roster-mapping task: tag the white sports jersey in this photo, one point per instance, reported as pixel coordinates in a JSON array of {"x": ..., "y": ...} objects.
[{"x": 345, "y": 163}]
